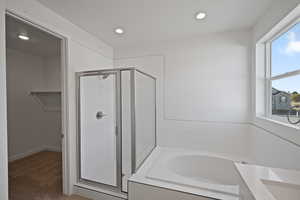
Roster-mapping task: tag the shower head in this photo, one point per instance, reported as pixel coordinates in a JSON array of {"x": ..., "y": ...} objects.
[{"x": 105, "y": 76}]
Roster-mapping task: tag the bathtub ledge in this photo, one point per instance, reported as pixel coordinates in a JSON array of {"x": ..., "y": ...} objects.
[{"x": 141, "y": 177}]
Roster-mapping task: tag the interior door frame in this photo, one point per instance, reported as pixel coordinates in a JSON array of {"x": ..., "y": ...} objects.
[
  {"x": 64, "y": 94},
  {"x": 117, "y": 73}
]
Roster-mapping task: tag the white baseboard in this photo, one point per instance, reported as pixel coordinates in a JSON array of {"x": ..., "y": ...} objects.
[
  {"x": 25, "y": 154},
  {"x": 52, "y": 148},
  {"x": 33, "y": 151}
]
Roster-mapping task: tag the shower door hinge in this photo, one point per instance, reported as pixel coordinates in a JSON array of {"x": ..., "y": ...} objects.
[{"x": 116, "y": 130}]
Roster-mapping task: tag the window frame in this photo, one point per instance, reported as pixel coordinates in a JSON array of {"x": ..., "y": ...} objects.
[
  {"x": 283, "y": 99},
  {"x": 268, "y": 68}
]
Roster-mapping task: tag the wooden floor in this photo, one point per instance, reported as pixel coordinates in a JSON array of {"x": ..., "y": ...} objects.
[{"x": 37, "y": 177}]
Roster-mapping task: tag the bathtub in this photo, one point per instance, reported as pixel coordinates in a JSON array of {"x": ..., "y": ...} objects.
[{"x": 195, "y": 172}]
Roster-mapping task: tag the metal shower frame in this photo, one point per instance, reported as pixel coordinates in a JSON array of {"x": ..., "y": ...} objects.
[{"x": 117, "y": 72}]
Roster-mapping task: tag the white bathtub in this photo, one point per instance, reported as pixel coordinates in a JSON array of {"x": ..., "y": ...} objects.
[{"x": 194, "y": 172}]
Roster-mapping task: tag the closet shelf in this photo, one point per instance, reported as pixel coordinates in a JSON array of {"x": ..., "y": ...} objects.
[{"x": 49, "y": 100}]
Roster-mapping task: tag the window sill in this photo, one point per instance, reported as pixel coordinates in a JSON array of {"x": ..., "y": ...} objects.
[
  {"x": 288, "y": 132},
  {"x": 278, "y": 122}
]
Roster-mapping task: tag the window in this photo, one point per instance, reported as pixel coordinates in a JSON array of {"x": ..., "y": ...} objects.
[
  {"x": 283, "y": 99},
  {"x": 283, "y": 76}
]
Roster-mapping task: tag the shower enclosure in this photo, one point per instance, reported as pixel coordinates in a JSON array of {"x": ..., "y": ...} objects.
[{"x": 116, "y": 112}]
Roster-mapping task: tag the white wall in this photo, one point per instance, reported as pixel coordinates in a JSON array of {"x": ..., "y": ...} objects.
[
  {"x": 278, "y": 10},
  {"x": 203, "y": 89},
  {"x": 3, "y": 135},
  {"x": 52, "y": 82},
  {"x": 274, "y": 143},
  {"x": 84, "y": 52},
  {"x": 26, "y": 135},
  {"x": 279, "y": 15},
  {"x": 81, "y": 59},
  {"x": 52, "y": 73},
  {"x": 154, "y": 65},
  {"x": 270, "y": 150},
  {"x": 189, "y": 72}
]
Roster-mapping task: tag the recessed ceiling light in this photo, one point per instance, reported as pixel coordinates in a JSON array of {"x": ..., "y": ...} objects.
[
  {"x": 119, "y": 31},
  {"x": 200, "y": 15},
  {"x": 23, "y": 37}
]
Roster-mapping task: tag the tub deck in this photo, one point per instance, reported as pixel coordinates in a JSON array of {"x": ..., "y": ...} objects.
[{"x": 155, "y": 172}]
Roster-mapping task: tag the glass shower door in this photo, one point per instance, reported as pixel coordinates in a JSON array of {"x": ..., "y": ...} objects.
[{"x": 98, "y": 94}]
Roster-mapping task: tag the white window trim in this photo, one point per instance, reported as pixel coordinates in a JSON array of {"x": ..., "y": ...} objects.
[
  {"x": 285, "y": 131},
  {"x": 268, "y": 81},
  {"x": 285, "y": 75},
  {"x": 268, "y": 70}
]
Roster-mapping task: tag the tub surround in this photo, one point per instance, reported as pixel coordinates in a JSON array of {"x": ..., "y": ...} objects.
[{"x": 271, "y": 183}]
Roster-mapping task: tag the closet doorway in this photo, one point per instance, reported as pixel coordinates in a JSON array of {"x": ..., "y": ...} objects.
[{"x": 35, "y": 68}]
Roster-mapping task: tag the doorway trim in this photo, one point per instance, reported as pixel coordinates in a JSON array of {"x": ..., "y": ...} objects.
[{"x": 64, "y": 95}]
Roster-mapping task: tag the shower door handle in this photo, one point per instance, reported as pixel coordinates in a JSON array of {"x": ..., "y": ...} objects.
[{"x": 100, "y": 115}]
